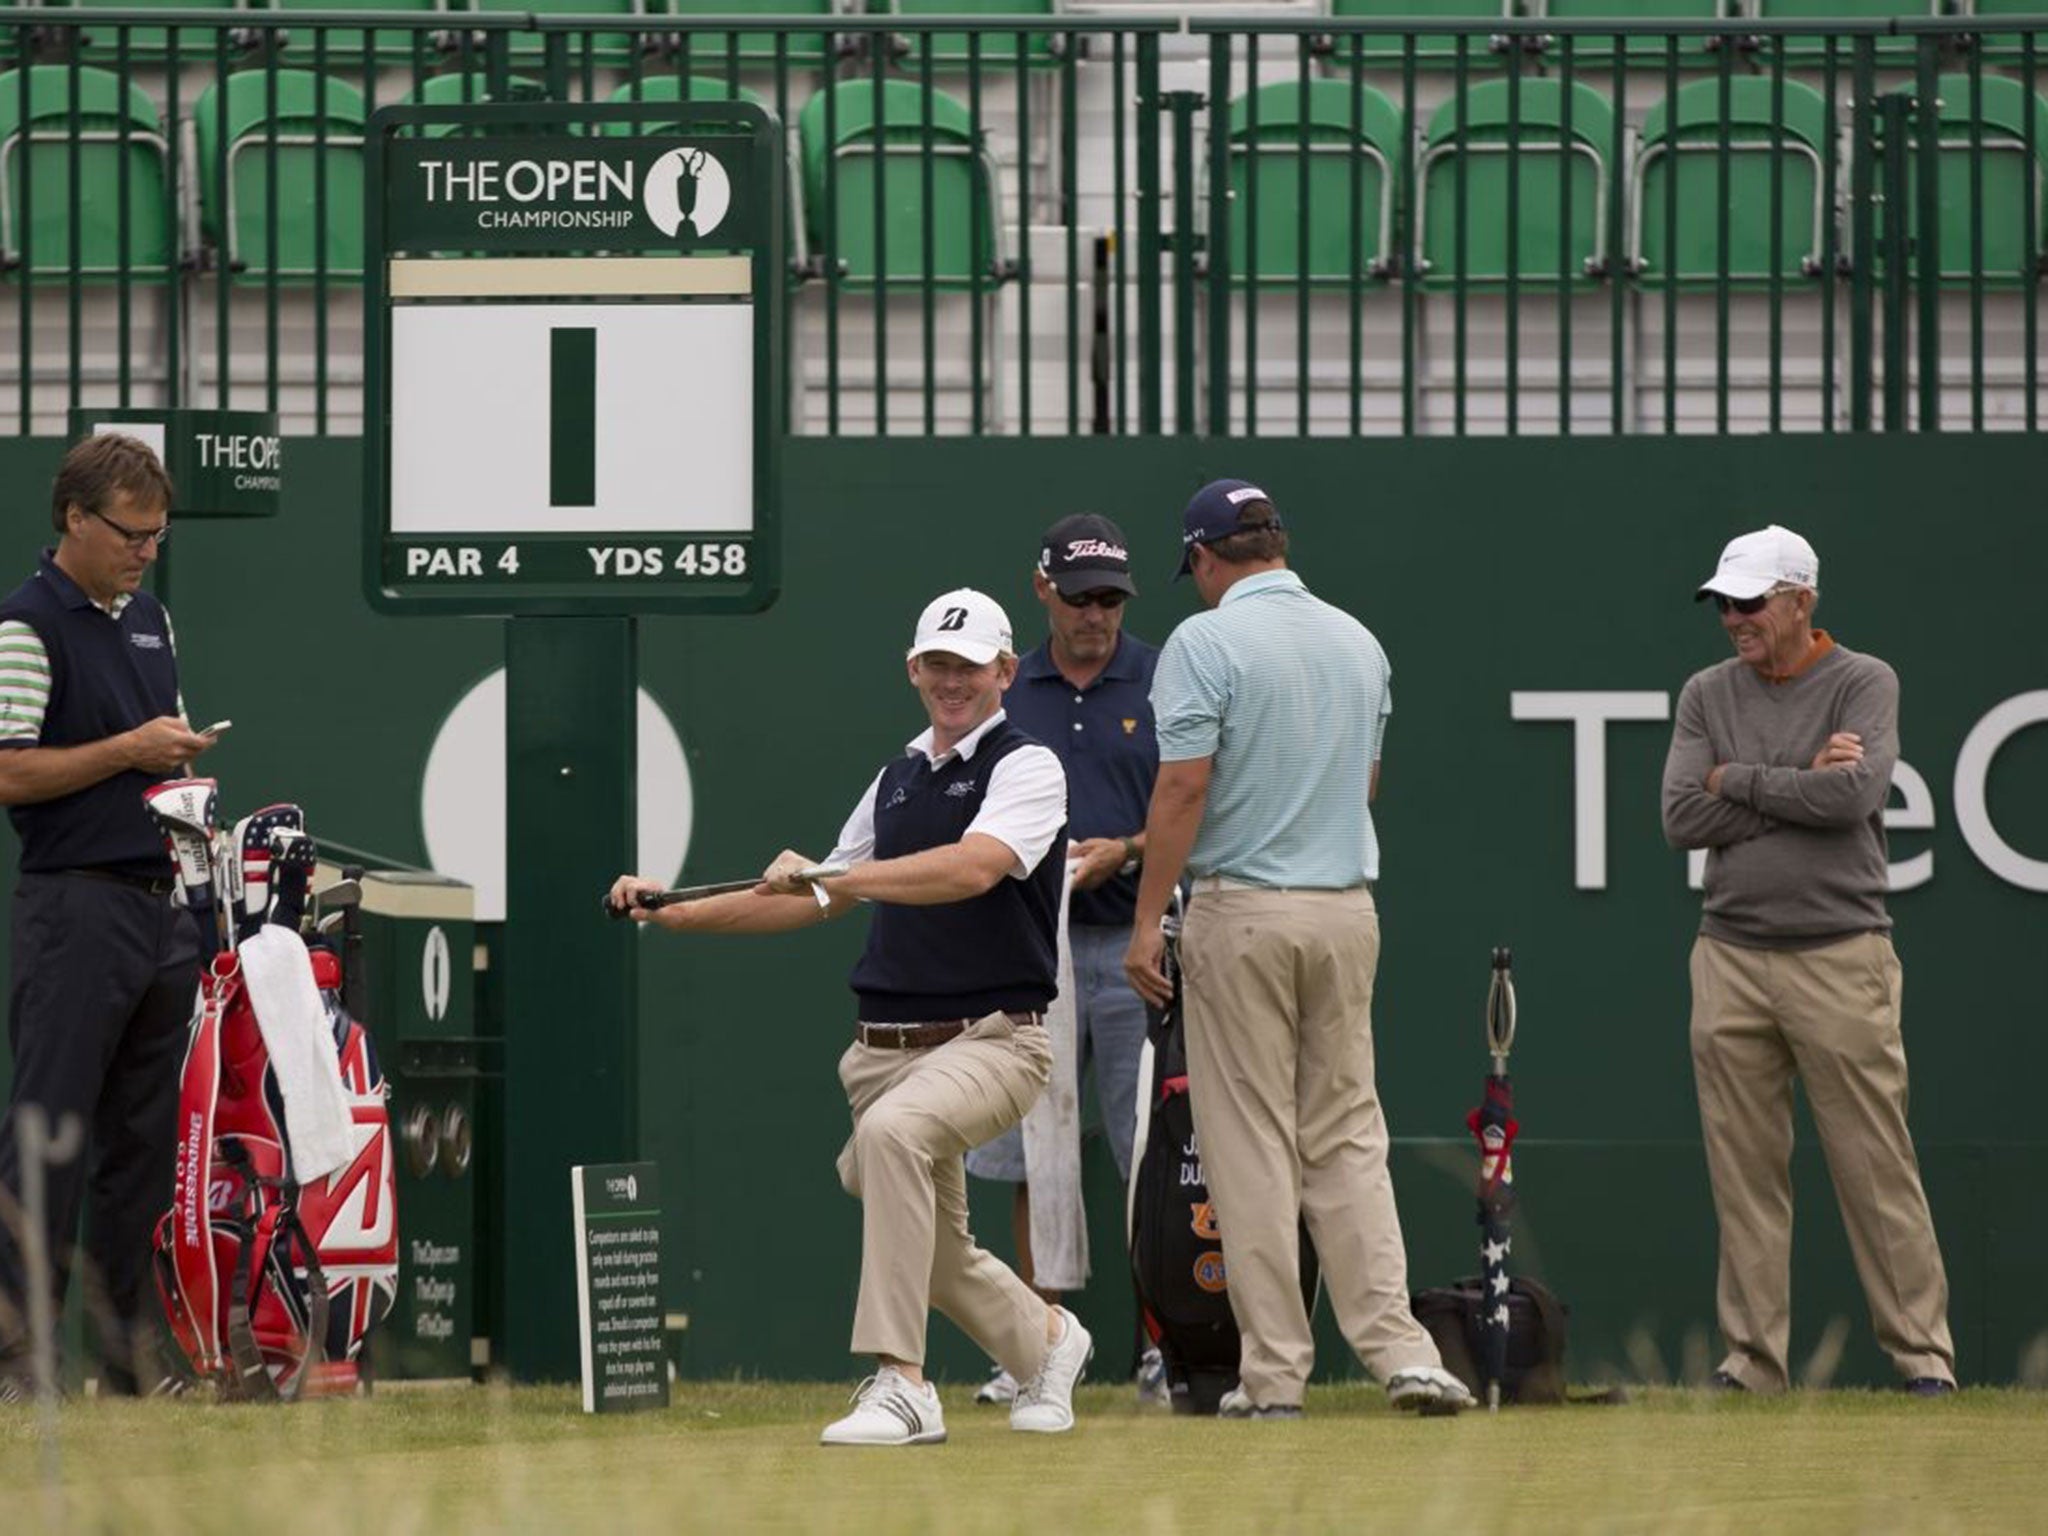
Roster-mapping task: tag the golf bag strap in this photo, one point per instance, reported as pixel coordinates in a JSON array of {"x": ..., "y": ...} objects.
[
  {"x": 315, "y": 1352},
  {"x": 250, "y": 1378}
]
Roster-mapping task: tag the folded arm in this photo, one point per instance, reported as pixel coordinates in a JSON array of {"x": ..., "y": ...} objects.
[{"x": 1694, "y": 816}]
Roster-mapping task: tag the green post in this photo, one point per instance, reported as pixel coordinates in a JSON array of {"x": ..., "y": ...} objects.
[
  {"x": 571, "y": 1046},
  {"x": 1893, "y": 113}
]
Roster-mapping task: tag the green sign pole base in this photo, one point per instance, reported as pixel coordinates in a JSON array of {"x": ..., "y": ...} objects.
[{"x": 571, "y": 1040}]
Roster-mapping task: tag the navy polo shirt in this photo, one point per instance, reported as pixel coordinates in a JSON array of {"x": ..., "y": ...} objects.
[
  {"x": 1104, "y": 738},
  {"x": 107, "y": 675}
]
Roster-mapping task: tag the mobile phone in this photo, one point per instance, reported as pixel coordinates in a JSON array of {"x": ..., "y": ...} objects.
[{"x": 216, "y": 728}]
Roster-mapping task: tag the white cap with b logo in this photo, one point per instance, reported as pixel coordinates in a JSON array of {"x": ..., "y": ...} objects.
[{"x": 965, "y": 623}]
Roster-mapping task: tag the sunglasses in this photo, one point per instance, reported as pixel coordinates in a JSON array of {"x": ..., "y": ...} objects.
[
  {"x": 1745, "y": 605},
  {"x": 1111, "y": 599}
]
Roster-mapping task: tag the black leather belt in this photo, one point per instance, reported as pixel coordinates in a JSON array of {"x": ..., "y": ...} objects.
[
  {"x": 156, "y": 885},
  {"x": 922, "y": 1037}
]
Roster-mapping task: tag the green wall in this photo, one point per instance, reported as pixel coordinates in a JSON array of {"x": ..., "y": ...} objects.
[{"x": 1486, "y": 568}]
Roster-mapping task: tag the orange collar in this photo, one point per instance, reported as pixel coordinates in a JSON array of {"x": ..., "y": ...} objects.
[{"x": 1823, "y": 642}]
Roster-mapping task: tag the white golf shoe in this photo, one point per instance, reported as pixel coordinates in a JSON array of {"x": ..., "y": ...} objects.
[
  {"x": 1045, "y": 1403},
  {"x": 1429, "y": 1388},
  {"x": 999, "y": 1388},
  {"x": 888, "y": 1410}
]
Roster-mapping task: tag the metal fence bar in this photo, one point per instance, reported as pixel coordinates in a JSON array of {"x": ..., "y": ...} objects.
[
  {"x": 1724, "y": 87},
  {"x": 1862, "y": 241},
  {"x": 1567, "y": 81},
  {"x": 1512, "y": 308},
  {"x": 928, "y": 289},
  {"x": 1219, "y": 202},
  {"x": 74, "y": 217},
  {"x": 1119, "y": 270},
  {"x": 1021, "y": 83},
  {"x": 1830, "y": 248},
  {"x": 1355, "y": 289},
  {"x": 1927, "y": 237},
  {"x": 1301, "y": 236},
  {"x": 1976, "y": 74},
  {"x": 2030, "y": 245},
  {"x": 1668, "y": 279},
  {"x": 1151, "y": 245},
  {"x": 879, "y": 141},
  {"x": 1620, "y": 276},
  {"x": 1774, "y": 344},
  {"x": 1461, "y": 86},
  {"x": 1220, "y": 275},
  {"x": 23, "y": 39},
  {"x": 1070, "y": 217},
  {"x": 1410, "y": 235}
]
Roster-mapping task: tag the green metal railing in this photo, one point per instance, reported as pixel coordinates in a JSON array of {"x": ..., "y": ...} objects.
[{"x": 1076, "y": 225}]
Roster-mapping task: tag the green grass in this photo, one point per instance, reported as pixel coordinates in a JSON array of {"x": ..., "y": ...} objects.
[{"x": 743, "y": 1456}]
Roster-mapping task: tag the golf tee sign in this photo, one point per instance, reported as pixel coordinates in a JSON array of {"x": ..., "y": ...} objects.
[
  {"x": 618, "y": 1286},
  {"x": 573, "y": 356}
]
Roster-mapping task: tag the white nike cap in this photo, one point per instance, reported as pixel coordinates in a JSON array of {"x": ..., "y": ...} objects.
[
  {"x": 1753, "y": 564},
  {"x": 965, "y": 623}
]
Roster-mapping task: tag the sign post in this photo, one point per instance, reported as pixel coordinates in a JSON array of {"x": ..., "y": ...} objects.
[{"x": 573, "y": 320}]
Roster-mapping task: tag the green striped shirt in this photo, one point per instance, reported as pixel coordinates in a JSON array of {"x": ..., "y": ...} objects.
[{"x": 1290, "y": 696}]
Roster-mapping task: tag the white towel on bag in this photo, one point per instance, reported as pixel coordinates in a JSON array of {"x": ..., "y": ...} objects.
[
  {"x": 1052, "y": 1140},
  {"x": 279, "y": 977}
]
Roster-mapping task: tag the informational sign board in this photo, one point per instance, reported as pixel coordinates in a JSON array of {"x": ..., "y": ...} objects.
[
  {"x": 573, "y": 349},
  {"x": 221, "y": 463},
  {"x": 618, "y": 1286}
]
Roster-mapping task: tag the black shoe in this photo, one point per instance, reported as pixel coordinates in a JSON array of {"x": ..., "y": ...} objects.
[
  {"x": 1928, "y": 1386},
  {"x": 1723, "y": 1381}
]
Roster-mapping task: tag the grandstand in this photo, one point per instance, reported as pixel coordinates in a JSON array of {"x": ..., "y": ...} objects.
[{"x": 1278, "y": 218}]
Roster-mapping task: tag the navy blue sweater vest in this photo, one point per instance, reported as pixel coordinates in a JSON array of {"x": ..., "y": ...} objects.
[
  {"x": 992, "y": 952},
  {"x": 106, "y": 676}
]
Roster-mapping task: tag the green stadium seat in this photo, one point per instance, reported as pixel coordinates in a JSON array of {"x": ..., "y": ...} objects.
[
  {"x": 1321, "y": 144},
  {"x": 663, "y": 89},
  {"x": 2010, "y": 258},
  {"x": 1384, "y": 50},
  {"x": 1678, "y": 158},
  {"x": 36, "y": 187},
  {"x": 349, "y": 45},
  {"x": 2005, "y": 47},
  {"x": 999, "y": 50},
  {"x": 615, "y": 28},
  {"x": 756, "y": 50},
  {"x": 103, "y": 42},
  {"x": 315, "y": 124},
  {"x": 897, "y": 149},
  {"x": 1647, "y": 52},
  {"x": 1807, "y": 48},
  {"x": 1538, "y": 147},
  {"x": 468, "y": 88}
]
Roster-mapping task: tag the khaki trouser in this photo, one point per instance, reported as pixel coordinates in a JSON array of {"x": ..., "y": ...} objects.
[
  {"x": 1278, "y": 998},
  {"x": 914, "y": 1114},
  {"x": 1830, "y": 1016}
]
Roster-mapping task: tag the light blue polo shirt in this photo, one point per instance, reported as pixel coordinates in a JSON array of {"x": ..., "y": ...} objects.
[{"x": 1291, "y": 698}]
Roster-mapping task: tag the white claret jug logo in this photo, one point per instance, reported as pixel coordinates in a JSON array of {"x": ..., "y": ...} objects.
[
  {"x": 687, "y": 187},
  {"x": 434, "y": 974}
]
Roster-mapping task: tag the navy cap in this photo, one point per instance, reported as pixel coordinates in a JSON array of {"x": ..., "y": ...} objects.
[
  {"x": 1086, "y": 553},
  {"x": 1216, "y": 512}
]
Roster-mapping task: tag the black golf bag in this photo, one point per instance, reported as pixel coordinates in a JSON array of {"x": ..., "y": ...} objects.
[{"x": 1176, "y": 1240}]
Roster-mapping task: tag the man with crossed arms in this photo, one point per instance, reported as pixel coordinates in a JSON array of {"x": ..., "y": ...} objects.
[
  {"x": 960, "y": 845},
  {"x": 1271, "y": 708}
]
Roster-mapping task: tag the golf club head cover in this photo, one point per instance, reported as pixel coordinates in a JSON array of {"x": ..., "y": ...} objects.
[
  {"x": 183, "y": 812},
  {"x": 292, "y": 856},
  {"x": 252, "y": 854}
]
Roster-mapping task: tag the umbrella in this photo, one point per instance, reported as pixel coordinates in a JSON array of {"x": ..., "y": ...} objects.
[{"x": 1494, "y": 1124}]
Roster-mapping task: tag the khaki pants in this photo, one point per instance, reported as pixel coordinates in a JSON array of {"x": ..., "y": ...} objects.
[
  {"x": 914, "y": 1114},
  {"x": 1831, "y": 1017},
  {"x": 1278, "y": 999}
]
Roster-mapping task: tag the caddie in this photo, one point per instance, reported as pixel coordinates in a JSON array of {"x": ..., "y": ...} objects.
[{"x": 959, "y": 846}]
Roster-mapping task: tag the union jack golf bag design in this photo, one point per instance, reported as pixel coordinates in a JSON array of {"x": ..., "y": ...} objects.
[{"x": 273, "y": 1286}]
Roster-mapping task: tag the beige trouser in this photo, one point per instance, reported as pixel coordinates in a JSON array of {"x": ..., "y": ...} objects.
[
  {"x": 914, "y": 1114},
  {"x": 1830, "y": 1016},
  {"x": 1278, "y": 1004}
]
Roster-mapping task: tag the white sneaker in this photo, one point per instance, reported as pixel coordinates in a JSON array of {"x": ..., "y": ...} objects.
[
  {"x": 888, "y": 1410},
  {"x": 1154, "y": 1390},
  {"x": 1430, "y": 1388},
  {"x": 999, "y": 1388},
  {"x": 1237, "y": 1404},
  {"x": 1045, "y": 1403}
]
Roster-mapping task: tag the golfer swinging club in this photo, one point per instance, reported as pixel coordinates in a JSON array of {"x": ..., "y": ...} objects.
[{"x": 959, "y": 845}]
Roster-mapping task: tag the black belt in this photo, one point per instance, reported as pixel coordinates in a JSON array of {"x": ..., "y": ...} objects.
[
  {"x": 156, "y": 885},
  {"x": 922, "y": 1037}
]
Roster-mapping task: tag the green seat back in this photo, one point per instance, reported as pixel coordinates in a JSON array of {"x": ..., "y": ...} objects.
[
  {"x": 665, "y": 89},
  {"x": 393, "y": 45},
  {"x": 998, "y": 49},
  {"x": 1679, "y": 160},
  {"x": 1326, "y": 148},
  {"x": 36, "y": 155},
  {"x": 841, "y": 174},
  {"x": 708, "y": 50},
  {"x": 1536, "y": 146},
  {"x": 235, "y": 119},
  {"x": 194, "y": 43},
  {"x": 1846, "y": 10},
  {"x": 469, "y": 88},
  {"x": 1647, "y": 51},
  {"x": 1432, "y": 48},
  {"x": 615, "y": 28},
  {"x": 2006, "y": 47},
  {"x": 2007, "y": 253}
]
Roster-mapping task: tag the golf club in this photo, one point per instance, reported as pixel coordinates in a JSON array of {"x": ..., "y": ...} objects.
[{"x": 655, "y": 900}]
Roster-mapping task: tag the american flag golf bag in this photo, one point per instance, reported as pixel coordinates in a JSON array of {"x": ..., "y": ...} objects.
[{"x": 273, "y": 1287}]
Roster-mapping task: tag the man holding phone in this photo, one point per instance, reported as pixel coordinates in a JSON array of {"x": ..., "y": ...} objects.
[{"x": 103, "y": 965}]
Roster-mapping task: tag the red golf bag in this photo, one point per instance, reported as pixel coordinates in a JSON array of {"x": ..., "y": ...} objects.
[{"x": 271, "y": 1286}]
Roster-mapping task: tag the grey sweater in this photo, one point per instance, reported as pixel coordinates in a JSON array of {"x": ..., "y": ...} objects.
[{"x": 1796, "y": 855}]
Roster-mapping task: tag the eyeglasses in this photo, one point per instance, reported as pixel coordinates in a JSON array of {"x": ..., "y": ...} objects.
[
  {"x": 137, "y": 538},
  {"x": 1111, "y": 599}
]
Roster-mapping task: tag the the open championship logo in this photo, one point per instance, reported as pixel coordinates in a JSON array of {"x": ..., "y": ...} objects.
[{"x": 687, "y": 187}]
